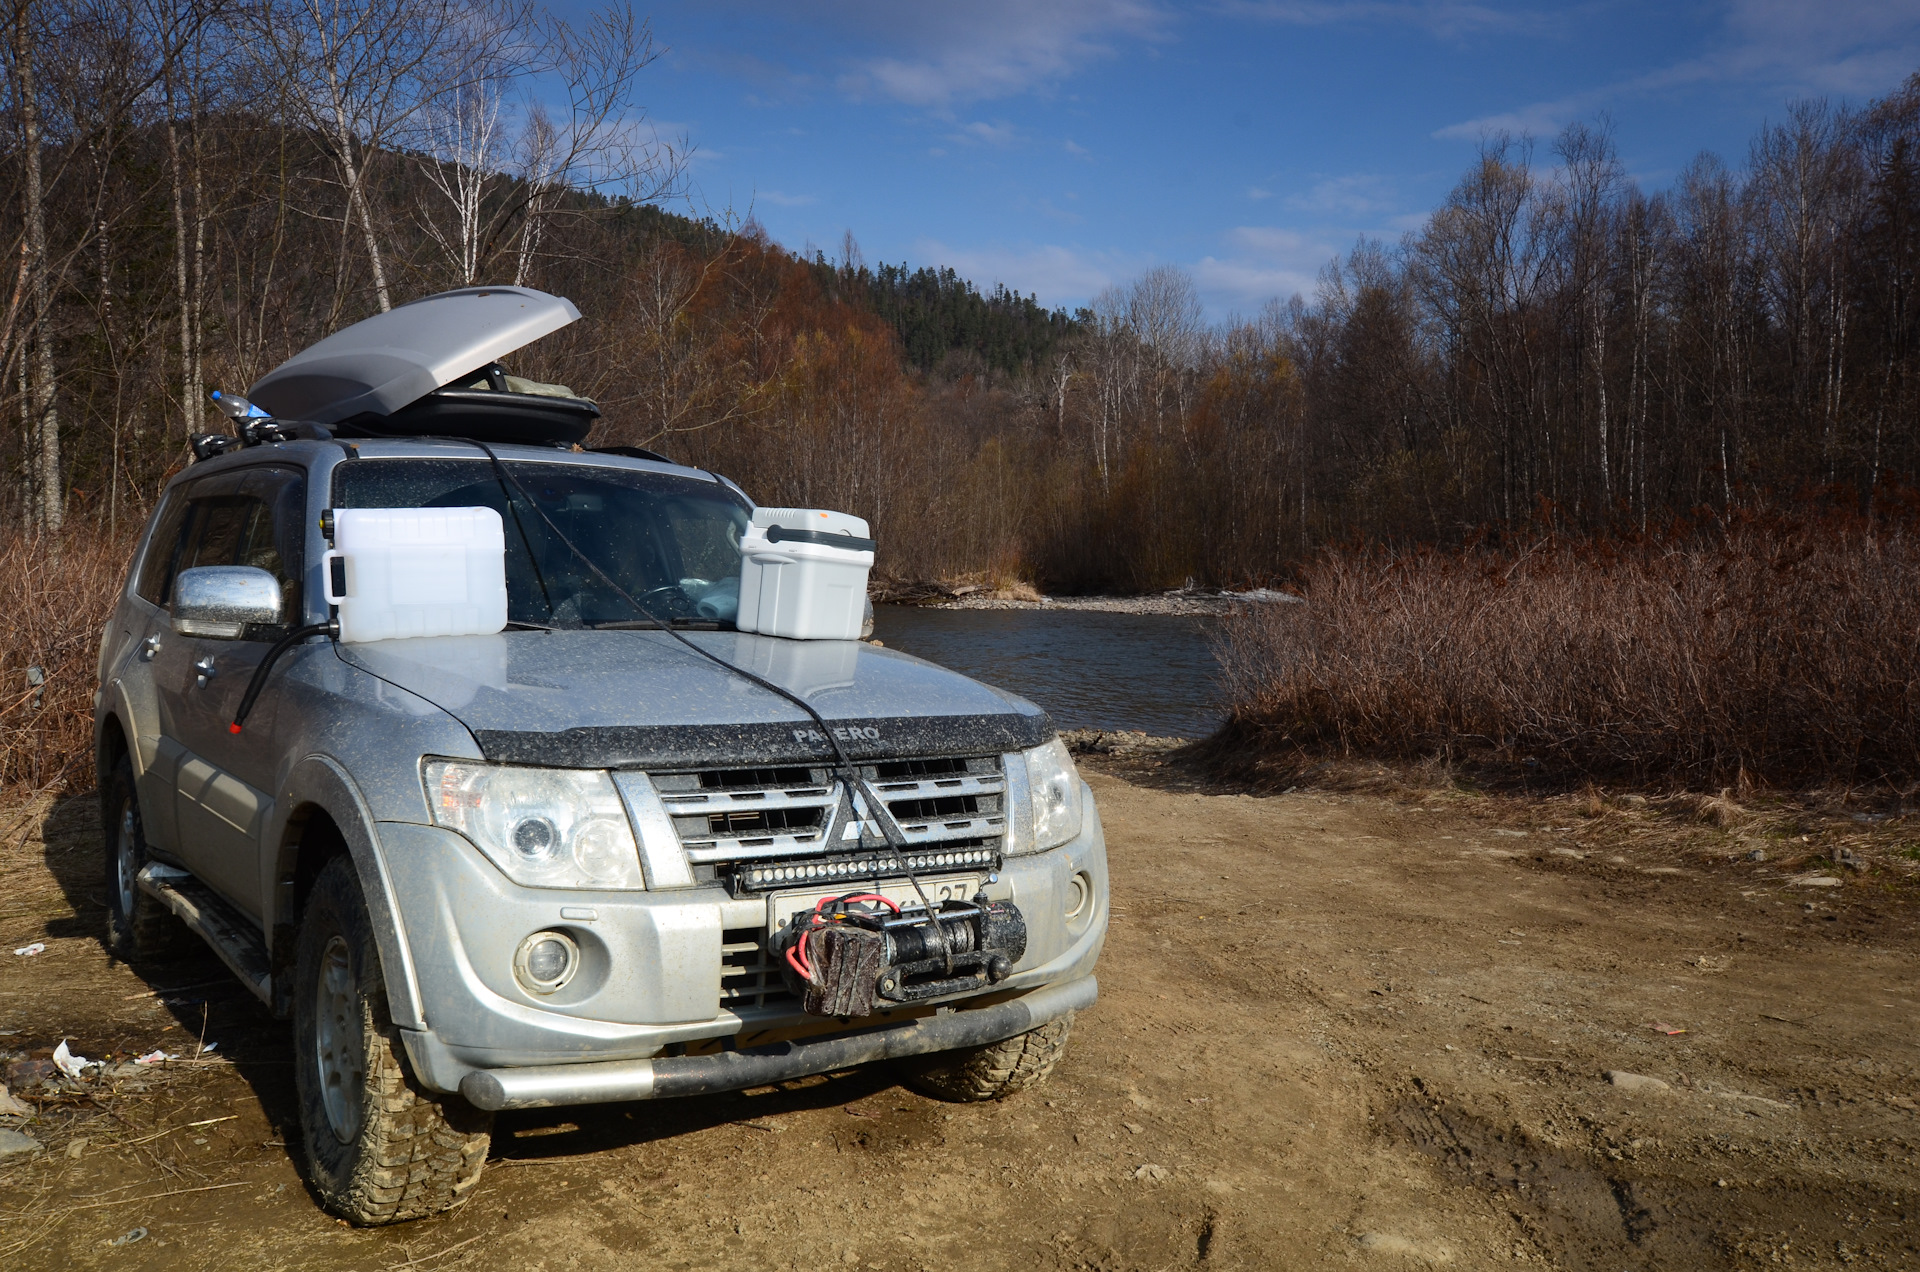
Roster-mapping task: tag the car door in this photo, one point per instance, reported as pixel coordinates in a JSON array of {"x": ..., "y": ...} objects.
[
  {"x": 148, "y": 629},
  {"x": 223, "y": 783}
]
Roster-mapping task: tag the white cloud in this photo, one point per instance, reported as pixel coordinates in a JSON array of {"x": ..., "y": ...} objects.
[
  {"x": 1834, "y": 46},
  {"x": 1262, "y": 263},
  {"x": 1443, "y": 19},
  {"x": 981, "y": 133},
  {"x": 1060, "y": 276},
  {"x": 1256, "y": 193},
  {"x": 1238, "y": 286},
  {"x": 1541, "y": 119},
  {"x": 1357, "y": 194},
  {"x": 1851, "y": 47},
  {"x": 1051, "y": 210},
  {"x": 936, "y": 55},
  {"x": 1269, "y": 240}
]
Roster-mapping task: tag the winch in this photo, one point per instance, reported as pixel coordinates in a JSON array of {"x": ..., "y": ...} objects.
[{"x": 849, "y": 952}]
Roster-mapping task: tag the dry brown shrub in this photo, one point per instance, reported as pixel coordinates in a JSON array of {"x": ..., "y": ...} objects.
[
  {"x": 1720, "y": 810},
  {"x": 56, "y": 594},
  {"x": 1014, "y": 589},
  {"x": 1775, "y": 650}
]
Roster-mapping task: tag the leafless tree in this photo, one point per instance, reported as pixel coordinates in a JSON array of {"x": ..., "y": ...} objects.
[
  {"x": 359, "y": 73},
  {"x": 597, "y": 140}
]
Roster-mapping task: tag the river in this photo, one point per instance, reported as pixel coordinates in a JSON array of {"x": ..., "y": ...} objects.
[{"x": 1089, "y": 670}]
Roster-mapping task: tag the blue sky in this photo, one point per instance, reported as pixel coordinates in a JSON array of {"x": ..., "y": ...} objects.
[{"x": 1058, "y": 146}]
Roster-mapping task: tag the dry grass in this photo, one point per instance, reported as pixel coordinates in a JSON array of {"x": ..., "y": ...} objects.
[
  {"x": 56, "y": 593},
  {"x": 1781, "y": 652}
]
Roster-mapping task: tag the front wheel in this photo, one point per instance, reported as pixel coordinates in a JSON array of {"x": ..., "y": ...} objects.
[
  {"x": 138, "y": 926},
  {"x": 379, "y": 1149},
  {"x": 994, "y": 1071}
]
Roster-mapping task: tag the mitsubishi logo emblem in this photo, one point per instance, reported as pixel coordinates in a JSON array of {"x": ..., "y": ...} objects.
[{"x": 857, "y": 821}]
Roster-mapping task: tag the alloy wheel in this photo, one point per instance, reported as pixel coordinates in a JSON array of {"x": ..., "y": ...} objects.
[
  {"x": 338, "y": 1045},
  {"x": 126, "y": 851}
]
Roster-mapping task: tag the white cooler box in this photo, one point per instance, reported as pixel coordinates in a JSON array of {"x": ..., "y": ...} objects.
[{"x": 803, "y": 574}]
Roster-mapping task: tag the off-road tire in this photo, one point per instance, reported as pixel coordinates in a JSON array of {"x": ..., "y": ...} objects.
[
  {"x": 139, "y": 928},
  {"x": 994, "y": 1071},
  {"x": 405, "y": 1153}
]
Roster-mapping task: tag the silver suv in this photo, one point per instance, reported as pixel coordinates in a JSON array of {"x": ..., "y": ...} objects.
[{"x": 616, "y": 851}]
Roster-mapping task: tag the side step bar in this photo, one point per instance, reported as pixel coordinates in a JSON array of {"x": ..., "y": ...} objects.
[
  {"x": 235, "y": 940},
  {"x": 657, "y": 1079}
]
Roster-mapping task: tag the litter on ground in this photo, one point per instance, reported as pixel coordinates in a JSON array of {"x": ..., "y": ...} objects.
[{"x": 68, "y": 1063}]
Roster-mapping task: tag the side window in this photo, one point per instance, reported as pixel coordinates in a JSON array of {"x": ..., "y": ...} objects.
[
  {"x": 276, "y": 537},
  {"x": 163, "y": 550},
  {"x": 262, "y": 527},
  {"x": 218, "y": 531}
]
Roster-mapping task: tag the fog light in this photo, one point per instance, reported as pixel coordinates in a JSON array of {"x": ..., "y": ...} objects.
[
  {"x": 545, "y": 961},
  {"x": 1079, "y": 902}
]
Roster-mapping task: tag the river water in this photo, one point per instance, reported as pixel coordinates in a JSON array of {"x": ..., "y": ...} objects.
[{"x": 1090, "y": 670}]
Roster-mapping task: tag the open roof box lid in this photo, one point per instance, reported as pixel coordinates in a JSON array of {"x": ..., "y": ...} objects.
[{"x": 430, "y": 368}]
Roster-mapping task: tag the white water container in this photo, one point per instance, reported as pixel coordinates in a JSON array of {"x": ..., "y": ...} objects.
[
  {"x": 398, "y": 572},
  {"x": 803, "y": 574}
]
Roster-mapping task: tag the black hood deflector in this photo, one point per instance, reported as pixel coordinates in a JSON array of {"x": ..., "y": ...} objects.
[{"x": 752, "y": 745}]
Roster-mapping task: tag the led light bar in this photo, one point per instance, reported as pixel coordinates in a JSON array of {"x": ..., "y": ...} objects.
[{"x": 766, "y": 876}]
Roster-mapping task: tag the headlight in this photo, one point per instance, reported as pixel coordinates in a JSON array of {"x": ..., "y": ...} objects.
[
  {"x": 1053, "y": 784},
  {"x": 544, "y": 828}
]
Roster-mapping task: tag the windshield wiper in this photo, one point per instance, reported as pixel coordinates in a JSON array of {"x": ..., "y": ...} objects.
[{"x": 654, "y": 625}]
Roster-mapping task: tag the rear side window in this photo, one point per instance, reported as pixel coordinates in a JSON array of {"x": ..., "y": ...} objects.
[{"x": 163, "y": 550}]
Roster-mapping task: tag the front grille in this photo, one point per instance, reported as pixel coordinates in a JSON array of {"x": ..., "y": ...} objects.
[{"x": 725, "y": 816}]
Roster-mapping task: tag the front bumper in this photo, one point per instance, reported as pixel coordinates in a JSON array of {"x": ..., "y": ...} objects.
[
  {"x": 657, "y": 1079},
  {"x": 656, "y": 966}
]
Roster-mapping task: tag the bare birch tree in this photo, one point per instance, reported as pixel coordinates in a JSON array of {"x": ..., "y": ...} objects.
[
  {"x": 46, "y": 507},
  {"x": 358, "y": 73}
]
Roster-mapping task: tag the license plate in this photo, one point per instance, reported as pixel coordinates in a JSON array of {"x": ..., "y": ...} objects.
[{"x": 782, "y": 905}]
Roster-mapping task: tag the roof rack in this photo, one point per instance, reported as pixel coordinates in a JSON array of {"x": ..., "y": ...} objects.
[
  {"x": 255, "y": 431},
  {"x": 483, "y": 415}
]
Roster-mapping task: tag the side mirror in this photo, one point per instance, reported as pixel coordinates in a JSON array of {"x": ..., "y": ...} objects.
[{"x": 219, "y": 601}]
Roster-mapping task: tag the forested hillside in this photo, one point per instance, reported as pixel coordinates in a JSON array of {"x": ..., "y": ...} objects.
[{"x": 195, "y": 191}]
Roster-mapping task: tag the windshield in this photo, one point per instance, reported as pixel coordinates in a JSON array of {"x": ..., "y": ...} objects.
[{"x": 671, "y": 543}]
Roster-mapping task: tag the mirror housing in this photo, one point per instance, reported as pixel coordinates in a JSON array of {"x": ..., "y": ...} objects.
[{"x": 220, "y": 601}]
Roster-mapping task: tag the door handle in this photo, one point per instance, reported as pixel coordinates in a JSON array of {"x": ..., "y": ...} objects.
[
  {"x": 149, "y": 647},
  {"x": 206, "y": 669}
]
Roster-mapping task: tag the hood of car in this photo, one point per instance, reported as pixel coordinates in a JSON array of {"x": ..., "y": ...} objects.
[
  {"x": 391, "y": 360},
  {"x": 637, "y": 699}
]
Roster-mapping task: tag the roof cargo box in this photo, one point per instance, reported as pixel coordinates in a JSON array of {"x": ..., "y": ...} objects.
[{"x": 426, "y": 368}]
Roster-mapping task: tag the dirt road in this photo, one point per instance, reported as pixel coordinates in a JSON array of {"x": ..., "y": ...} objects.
[{"x": 1333, "y": 1031}]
